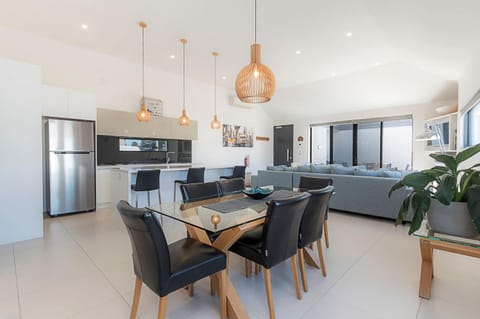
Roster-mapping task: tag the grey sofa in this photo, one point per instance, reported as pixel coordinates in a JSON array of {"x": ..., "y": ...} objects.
[{"x": 357, "y": 194}]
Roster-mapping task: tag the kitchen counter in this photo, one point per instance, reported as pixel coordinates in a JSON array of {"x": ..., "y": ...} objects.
[{"x": 122, "y": 177}]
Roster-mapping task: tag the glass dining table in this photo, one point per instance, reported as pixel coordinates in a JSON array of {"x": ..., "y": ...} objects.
[{"x": 220, "y": 222}]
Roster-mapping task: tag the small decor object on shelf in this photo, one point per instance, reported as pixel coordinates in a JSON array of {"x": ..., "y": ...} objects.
[
  {"x": 154, "y": 106},
  {"x": 447, "y": 195},
  {"x": 237, "y": 136}
]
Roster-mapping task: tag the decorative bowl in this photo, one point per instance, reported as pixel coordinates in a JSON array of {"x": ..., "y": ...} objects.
[{"x": 257, "y": 192}]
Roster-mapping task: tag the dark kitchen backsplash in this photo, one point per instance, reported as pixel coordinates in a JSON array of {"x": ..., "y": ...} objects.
[{"x": 108, "y": 151}]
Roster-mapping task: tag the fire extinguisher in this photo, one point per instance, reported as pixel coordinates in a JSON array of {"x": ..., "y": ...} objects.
[{"x": 246, "y": 160}]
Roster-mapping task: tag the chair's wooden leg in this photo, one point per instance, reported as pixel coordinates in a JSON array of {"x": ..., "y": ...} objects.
[
  {"x": 301, "y": 260},
  {"x": 190, "y": 290},
  {"x": 136, "y": 298},
  {"x": 213, "y": 285},
  {"x": 222, "y": 279},
  {"x": 248, "y": 267},
  {"x": 320, "y": 257},
  {"x": 325, "y": 230},
  {"x": 293, "y": 261},
  {"x": 162, "y": 308},
  {"x": 268, "y": 290}
]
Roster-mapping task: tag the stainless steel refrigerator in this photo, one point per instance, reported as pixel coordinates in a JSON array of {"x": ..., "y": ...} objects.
[{"x": 69, "y": 166}]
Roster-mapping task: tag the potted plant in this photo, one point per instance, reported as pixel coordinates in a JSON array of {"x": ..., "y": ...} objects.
[{"x": 448, "y": 195}]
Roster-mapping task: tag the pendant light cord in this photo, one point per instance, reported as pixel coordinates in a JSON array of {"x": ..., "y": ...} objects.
[
  {"x": 183, "y": 75},
  {"x": 215, "y": 84},
  {"x": 143, "y": 65},
  {"x": 255, "y": 23}
]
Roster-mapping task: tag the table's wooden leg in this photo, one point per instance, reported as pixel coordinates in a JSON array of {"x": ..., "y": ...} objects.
[
  {"x": 235, "y": 308},
  {"x": 426, "y": 274}
]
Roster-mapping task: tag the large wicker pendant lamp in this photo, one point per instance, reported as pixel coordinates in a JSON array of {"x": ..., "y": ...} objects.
[
  {"x": 143, "y": 115},
  {"x": 255, "y": 83},
  {"x": 184, "y": 120},
  {"x": 215, "y": 124}
]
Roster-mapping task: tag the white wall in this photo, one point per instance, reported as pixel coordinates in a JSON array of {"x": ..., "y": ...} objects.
[
  {"x": 117, "y": 85},
  {"x": 419, "y": 112},
  {"x": 21, "y": 214}
]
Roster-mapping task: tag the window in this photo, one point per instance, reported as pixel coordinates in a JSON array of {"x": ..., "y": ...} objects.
[
  {"x": 472, "y": 125},
  {"x": 373, "y": 143}
]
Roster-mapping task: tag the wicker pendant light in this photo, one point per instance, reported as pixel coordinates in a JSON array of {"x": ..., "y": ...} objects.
[
  {"x": 184, "y": 120},
  {"x": 215, "y": 124},
  {"x": 255, "y": 83},
  {"x": 143, "y": 115}
]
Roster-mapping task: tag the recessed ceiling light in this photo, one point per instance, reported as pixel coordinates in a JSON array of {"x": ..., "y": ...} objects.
[
  {"x": 298, "y": 52},
  {"x": 348, "y": 34},
  {"x": 84, "y": 26},
  {"x": 224, "y": 77},
  {"x": 334, "y": 74},
  {"x": 172, "y": 56},
  {"x": 377, "y": 64}
]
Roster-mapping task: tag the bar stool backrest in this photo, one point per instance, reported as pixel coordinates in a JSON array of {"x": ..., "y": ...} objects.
[
  {"x": 147, "y": 180},
  {"x": 196, "y": 175}
]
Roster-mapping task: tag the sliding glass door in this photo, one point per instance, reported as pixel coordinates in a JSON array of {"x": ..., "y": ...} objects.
[{"x": 375, "y": 144}]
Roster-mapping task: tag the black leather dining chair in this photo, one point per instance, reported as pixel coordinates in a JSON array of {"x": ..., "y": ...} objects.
[
  {"x": 311, "y": 183},
  {"x": 199, "y": 191},
  {"x": 194, "y": 175},
  {"x": 277, "y": 241},
  {"x": 147, "y": 181},
  {"x": 231, "y": 186},
  {"x": 166, "y": 268},
  {"x": 238, "y": 172},
  {"x": 311, "y": 228}
]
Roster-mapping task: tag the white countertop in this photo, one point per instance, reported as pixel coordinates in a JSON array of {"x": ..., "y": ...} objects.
[{"x": 174, "y": 167}]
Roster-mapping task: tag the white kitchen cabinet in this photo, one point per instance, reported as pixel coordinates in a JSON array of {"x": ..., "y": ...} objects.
[
  {"x": 104, "y": 187},
  {"x": 68, "y": 103}
]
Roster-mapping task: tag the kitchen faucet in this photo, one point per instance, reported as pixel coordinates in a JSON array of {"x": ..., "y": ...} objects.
[{"x": 168, "y": 157}]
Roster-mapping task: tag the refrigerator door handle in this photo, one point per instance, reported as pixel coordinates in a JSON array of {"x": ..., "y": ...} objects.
[{"x": 71, "y": 152}]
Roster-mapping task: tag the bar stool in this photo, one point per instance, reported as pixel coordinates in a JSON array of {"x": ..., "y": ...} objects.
[
  {"x": 147, "y": 181},
  {"x": 238, "y": 172},
  {"x": 194, "y": 175}
]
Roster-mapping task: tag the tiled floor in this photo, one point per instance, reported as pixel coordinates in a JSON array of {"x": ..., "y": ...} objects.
[{"x": 82, "y": 269}]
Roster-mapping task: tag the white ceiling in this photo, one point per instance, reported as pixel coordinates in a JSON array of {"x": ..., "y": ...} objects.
[{"x": 421, "y": 45}]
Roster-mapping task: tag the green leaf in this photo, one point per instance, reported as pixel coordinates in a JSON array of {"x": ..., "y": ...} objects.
[
  {"x": 436, "y": 171},
  {"x": 396, "y": 186},
  {"x": 402, "y": 213},
  {"x": 418, "y": 180},
  {"x": 473, "y": 198},
  {"x": 467, "y": 153},
  {"x": 420, "y": 205},
  {"x": 446, "y": 189},
  {"x": 448, "y": 160}
]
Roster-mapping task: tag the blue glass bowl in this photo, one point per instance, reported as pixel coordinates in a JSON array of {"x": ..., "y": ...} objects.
[{"x": 257, "y": 192}]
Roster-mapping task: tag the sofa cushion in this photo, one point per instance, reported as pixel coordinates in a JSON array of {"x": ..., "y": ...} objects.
[
  {"x": 304, "y": 168},
  {"x": 340, "y": 170},
  {"x": 277, "y": 168},
  {"x": 318, "y": 168},
  {"x": 373, "y": 173},
  {"x": 393, "y": 174}
]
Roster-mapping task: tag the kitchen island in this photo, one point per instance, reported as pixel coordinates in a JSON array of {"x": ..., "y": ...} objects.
[{"x": 121, "y": 177}]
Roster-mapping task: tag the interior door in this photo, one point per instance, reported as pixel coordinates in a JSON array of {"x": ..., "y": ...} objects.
[{"x": 282, "y": 145}]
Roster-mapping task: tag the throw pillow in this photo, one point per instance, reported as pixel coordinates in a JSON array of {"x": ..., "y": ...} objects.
[
  {"x": 373, "y": 173},
  {"x": 323, "y": 169},
  {"x": 304, "y": 168}
]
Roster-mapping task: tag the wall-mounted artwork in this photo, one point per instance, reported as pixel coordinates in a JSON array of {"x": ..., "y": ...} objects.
[{"x": 237, "y": 136}]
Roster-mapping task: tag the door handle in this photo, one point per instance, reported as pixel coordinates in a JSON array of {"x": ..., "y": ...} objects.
[{"x": 288, "y": 154}]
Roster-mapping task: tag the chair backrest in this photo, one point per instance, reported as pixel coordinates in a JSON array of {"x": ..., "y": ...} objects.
[
  {"x": 238, "y": 172},
  {"x": 231, "y": 186},
  {"x": 282, "y": 225},
  {"x": 311, "y": 227},
  {"x": 196, "y": 175},
  {"x": 309, "y": 183},
  {"x": 199, "y": 191},
  {"x": 147, "y": 180},
  {"x": 151, "y": 259}
]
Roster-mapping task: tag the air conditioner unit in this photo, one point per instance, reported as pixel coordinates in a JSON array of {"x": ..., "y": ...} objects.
[{"x": 235, "y": 101}]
